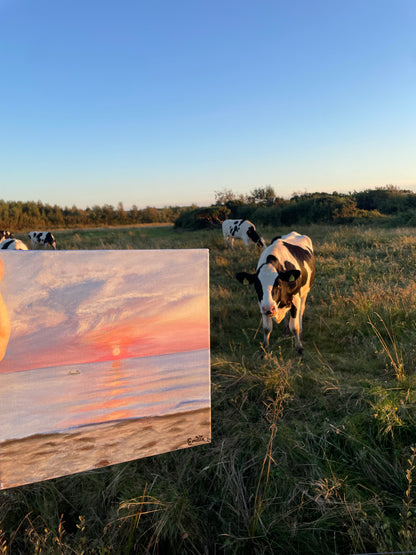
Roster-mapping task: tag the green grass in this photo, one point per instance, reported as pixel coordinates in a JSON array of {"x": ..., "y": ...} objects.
[{"x": 308, "y": 455}]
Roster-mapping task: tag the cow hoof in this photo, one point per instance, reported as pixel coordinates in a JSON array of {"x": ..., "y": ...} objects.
[
  {"x": 257, "y": 355},
  {"x": 263, "y": 351}
]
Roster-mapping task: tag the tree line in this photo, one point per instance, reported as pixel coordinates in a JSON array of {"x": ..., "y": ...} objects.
[
  {"x": 387, "y": 205},
  {"x": 19, "y": 216}
]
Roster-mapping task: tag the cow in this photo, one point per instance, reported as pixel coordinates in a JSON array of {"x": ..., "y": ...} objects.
[
  {"x": 284, "y": 275},
  {"x": 5, "y": 234},
  {"x": 241, "y": 229},
  {"x": 13, "y": 245},
  {"x": 42, "y": 239}
]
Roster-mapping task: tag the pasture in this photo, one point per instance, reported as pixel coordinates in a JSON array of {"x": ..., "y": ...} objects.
[{"x": 311, "y": 454}]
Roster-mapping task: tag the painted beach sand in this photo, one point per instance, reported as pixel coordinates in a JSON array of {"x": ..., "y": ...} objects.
[
  {"x": 45, "y": 456},
  {"x": 107, "y": 361}
]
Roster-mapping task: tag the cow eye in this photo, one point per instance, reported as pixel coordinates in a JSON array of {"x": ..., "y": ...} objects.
[{"x": 276, "y": 290}]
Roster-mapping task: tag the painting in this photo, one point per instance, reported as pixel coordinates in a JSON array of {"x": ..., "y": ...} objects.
[{"x": 104, "y": 358}]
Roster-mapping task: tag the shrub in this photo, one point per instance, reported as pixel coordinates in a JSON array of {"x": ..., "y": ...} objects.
[{"x": 202, "y": 218}]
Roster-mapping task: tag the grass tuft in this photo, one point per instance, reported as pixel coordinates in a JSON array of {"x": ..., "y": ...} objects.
[{"x": 389, "y": 346}]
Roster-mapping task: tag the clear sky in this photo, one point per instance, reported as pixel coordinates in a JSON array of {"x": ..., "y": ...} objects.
[{"x": 161, "y": 102}]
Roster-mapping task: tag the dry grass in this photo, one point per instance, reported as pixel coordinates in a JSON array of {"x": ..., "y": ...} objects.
[{"x": 309, "y": 455}]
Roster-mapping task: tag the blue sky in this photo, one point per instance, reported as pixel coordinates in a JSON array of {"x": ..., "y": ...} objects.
[{"x": 158, "y": 103}]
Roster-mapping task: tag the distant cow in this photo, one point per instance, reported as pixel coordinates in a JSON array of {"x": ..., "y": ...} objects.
[
  {"x": 42, "y": 239},
  {"x": 284, "y": 276},
  {"x": 241, "y": 229},
  {"x": 13, "y": 245},
  {"x": 5, "y": 234}
]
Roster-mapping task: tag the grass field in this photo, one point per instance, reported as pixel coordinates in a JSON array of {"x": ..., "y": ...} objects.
[{"x": 308, "y": 455}]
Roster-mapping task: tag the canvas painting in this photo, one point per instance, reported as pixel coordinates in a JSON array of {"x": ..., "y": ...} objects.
[{"x": 104, "y": 359}]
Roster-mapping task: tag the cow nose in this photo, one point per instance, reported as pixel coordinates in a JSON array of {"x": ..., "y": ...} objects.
[{"x": 269, "y": 310}]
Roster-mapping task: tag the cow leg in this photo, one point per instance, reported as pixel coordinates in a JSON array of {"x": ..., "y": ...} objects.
[
  {"x": 301, "y": 311},
  {"x": 267, "y": 330},
  {"x": 286, "y": 330},
  {"x": 295, "y": 324}
]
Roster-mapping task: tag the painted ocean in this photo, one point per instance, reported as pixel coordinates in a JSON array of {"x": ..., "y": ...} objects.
[{"x": 42, "y": 401}]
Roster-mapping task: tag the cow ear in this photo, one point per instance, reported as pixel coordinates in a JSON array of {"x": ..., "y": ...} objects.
[
  {"x": 245, "y": 278},
  {"x": 290, "y": 276}
]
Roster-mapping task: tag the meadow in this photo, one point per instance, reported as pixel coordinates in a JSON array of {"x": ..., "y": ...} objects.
[{"x": 311, "y": 454}]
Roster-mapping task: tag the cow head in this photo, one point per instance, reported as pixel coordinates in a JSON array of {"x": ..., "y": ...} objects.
[
  {"x": 5, "y": 234},
  {"x": 255, "y": 237},
  {"x": 275, "y": 289},
  {"x": 50, "y": 240}
]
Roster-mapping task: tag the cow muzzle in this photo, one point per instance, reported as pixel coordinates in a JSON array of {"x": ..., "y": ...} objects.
[
  {"x": 269, "y": 310},
  {"x": 276, "y": 312}
]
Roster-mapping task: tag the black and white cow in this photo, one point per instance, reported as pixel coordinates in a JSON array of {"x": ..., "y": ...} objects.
[
  {"x": 42, "y": 239},
  {"x": 13, "y": 245},
  {"x": 241, "y": 229},
  {"x": 5, "y": 234},
  {"x": 285, "y": 273}
]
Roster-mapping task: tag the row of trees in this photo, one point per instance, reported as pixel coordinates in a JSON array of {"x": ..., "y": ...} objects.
[
  {"x": 19, "y": 216},
  {"x": 387, "y": 200},
  {"x": 388, "y": 204}
]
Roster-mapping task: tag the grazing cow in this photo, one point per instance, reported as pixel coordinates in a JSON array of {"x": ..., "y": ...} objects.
[
  {"x": 13, "y": 245},
  {"x": 42, "y": 239},
  {"x": 285, "y": 273},
  {"x": 241, "y": 229},
  {"x": 5, "y": 234}
]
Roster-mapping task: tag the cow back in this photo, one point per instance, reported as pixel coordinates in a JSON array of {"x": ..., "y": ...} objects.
[{"x": 292, "y": 252}]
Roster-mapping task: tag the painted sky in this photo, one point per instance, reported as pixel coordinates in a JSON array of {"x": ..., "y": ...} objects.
[
  {"x": 75, "y": 307},
  {"x": 163, "y": 103}
]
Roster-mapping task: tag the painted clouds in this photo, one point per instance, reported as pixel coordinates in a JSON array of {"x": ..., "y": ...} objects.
[{"x": 75, "y": 307}]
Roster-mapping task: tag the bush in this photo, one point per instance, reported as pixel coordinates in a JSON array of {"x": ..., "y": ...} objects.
[
  {"x": 202, "y": 218},
  {"x": 388, "y": 200}
]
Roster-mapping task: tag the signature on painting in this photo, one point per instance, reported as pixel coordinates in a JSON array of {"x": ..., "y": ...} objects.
[{"x": 198, "y": 439}]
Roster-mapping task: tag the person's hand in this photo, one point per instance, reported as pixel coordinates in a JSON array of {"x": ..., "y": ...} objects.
[{"x": 4, "y": 322}]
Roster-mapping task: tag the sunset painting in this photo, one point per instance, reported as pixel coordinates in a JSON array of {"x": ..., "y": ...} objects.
[{"x": 104, "y": 358}]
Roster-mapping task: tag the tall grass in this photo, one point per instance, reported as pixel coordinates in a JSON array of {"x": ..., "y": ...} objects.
[{"x": 308, "y": 455}]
